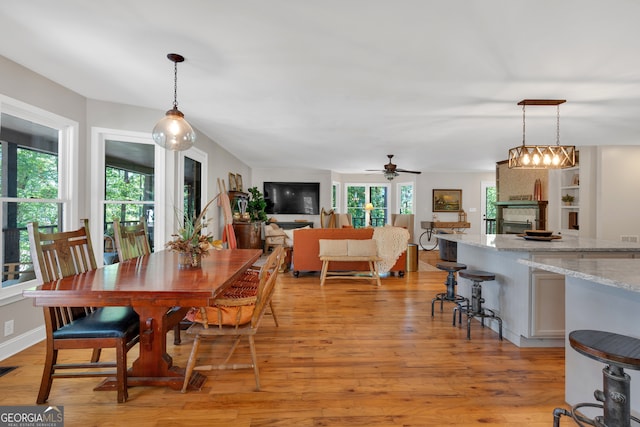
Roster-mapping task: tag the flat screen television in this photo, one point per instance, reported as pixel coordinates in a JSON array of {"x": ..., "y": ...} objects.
[{"x": 292, "y": 198}]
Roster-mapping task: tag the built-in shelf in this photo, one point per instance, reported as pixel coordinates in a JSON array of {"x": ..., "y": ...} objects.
[{"x": 569, "y": 214}]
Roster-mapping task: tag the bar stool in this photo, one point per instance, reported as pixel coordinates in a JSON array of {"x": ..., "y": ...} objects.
[
  {"x": 618, "y": 352},
  {"x": 475, "y": 309},
  {"x": 451, "y": 283}
]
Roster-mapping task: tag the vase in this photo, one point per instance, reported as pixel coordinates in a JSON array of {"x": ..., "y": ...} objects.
[{"x": 189, "y": 260}]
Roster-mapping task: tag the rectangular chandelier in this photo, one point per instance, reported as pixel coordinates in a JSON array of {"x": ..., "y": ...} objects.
[{"x": 542, "y": 156}]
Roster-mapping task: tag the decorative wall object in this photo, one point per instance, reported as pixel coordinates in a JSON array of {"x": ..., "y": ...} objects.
[
  {"x": 447, "y": 200},
  {"x": 232, "y": 182}
]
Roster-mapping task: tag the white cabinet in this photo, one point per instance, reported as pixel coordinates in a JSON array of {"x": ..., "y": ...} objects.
[{"x": 546, "y": 319}]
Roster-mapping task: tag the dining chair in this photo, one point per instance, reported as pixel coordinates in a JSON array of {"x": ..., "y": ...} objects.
[
  {"x": 58, "y": 255},
  {"x": 234, "y": 315},
  {"x": 132, "y": 241}
]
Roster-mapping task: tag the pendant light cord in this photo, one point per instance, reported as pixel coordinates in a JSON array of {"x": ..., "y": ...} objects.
[
  {"x": 523, "y": 124},
  {"x": 175, "y": 85}
]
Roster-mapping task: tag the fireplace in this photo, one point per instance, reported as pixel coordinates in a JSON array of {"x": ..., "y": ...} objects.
[{"x": 513, "y": 217}]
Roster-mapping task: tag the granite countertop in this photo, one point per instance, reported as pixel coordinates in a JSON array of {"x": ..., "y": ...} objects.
[
  {"x": 512, "y": 242},
  {"x": 618, "y": 273}
]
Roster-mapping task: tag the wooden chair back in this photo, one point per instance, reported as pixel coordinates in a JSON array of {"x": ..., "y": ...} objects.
[
  {"x": 131, "y": 241},
  {"x": 267, "y": 285},
  {"x": 62, "y": 254}
]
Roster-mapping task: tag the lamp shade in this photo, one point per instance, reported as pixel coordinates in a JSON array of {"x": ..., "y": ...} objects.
[
  {"x": 368, "y": 207},
  {"x": 173, "y": 132}
]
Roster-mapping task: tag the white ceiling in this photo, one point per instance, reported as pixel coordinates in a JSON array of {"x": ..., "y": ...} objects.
[{"x": 339, "y": 84}]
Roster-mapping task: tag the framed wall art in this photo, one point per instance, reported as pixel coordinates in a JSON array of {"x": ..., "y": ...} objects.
[
  {"x": 447, "y": 200},
  {"x": 232, "y": 182},
  {"x": 239, "y": 182}
]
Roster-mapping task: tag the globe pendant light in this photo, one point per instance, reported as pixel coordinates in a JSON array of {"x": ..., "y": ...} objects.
[
  {"x": 173, "y": 132},
  {"x": 542, "y": 156}
]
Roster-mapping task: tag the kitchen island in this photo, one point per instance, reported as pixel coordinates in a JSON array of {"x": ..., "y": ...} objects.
[
  {"x": 601, "y": 294},
  {"x": 530, "y": 300}
]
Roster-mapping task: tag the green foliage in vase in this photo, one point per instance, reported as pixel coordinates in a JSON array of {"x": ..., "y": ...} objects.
[{"x": 257, "y": 205}]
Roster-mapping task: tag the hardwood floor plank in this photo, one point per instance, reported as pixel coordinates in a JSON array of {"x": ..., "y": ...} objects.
[{"x": 347, "y": 354}]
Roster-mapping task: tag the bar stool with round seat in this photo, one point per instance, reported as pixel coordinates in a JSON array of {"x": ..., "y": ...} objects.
[
  {"x": 618, "y": 352},
  {"x": 450, "y": 295},
  {"x": 475, "y": 308}
]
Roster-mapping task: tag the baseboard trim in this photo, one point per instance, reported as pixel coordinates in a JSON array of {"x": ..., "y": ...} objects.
[{"x": 22, "y": 342}]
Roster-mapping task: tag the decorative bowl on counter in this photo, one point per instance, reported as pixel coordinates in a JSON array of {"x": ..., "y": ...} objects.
[{"x": 538, "y": 233}]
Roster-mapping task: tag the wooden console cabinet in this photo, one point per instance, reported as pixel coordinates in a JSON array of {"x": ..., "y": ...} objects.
[{"x": 248, "y": 234}]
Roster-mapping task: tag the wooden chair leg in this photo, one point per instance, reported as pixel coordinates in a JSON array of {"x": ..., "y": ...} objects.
[
  {"x": 176, "y": 335},
  {"x": 95, "y": 357},
  {"x": 47, "y": 376},
  {"x": 273, "y": 313},
  {"x": 254, "y": 360},
  {"x": 191, "y": 363}
]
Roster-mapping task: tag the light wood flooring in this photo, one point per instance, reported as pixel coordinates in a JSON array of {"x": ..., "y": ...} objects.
[{"x": 348, "y": 354}]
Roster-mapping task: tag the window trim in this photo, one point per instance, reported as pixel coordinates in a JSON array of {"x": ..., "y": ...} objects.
[{"x": 68, "y": 145}]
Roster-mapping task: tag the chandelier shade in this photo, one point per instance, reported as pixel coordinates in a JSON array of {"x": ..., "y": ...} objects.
[
  {"x": 542, "y": 156},
  {"x": 173, "y": 132}
]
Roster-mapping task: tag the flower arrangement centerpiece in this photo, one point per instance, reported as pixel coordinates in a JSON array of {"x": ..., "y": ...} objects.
[{"x": 190, "y": 243}]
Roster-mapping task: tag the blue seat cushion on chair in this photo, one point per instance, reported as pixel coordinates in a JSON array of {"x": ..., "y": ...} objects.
[{"x": 105, "y": 322}]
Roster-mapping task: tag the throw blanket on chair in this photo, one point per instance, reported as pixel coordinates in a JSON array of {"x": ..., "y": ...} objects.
[{"x": 392, "y": 242}]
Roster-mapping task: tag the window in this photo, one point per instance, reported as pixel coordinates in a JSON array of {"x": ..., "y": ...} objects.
[
  {"x": 36, "y": 184},
  {"x": 130, "y": 186},
  {"x": 405, "y": 198},
  {"x": 358, "y": 195},
  {"x": 335, "y": 189},
  {"x": 194, "y": 185}
]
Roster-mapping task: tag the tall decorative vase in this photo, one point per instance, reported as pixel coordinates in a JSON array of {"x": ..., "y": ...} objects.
[{"x": 537, "y": 190}]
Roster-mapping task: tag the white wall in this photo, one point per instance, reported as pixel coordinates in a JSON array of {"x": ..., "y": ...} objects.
[
  {"x": 469, "y": 183},
  {"x": 617, "y": 191}
]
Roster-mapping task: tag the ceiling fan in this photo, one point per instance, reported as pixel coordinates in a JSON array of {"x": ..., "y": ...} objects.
[{"x": 391, "y": 170}]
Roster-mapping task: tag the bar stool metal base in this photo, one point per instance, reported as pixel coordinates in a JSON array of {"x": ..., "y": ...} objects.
[
  {"x": 475, "y": 308},
  {"x": 619, "y": 352},
  {"x": 450, "y": 283}
]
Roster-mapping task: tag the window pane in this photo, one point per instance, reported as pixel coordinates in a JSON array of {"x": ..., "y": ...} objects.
[
  {"x": 29, "y": 170},
  {"x": 28, "y": 150},
  {"x": 406, "y": 199},
  {"x": 129, "y": 171},
  {"x": 355, "y": 205},
  {"x": 192, "y": 188},
  {"x": 16, "y": 255},
  {"x": 379, "y": 198}
]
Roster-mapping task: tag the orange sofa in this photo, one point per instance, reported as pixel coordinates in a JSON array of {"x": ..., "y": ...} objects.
[{"x": 306, "y": 248}]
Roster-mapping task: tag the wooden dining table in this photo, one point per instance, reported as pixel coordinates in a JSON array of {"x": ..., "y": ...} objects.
[{"x": 152, "y": 285}]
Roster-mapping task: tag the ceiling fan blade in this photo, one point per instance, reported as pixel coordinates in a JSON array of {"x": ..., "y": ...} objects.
[
  {"x": 406, "y": 171},
  {"x": 374, "y": 170}
]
